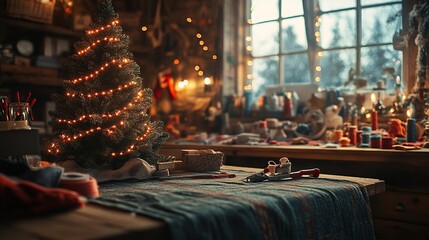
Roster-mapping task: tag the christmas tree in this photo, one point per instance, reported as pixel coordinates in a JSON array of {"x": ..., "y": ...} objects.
[{"x": 102, "y": 119}]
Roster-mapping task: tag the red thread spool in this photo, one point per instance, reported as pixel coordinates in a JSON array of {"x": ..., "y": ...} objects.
[
  {"x": 352, "y": 134},
  {"x": 80, "y": 183},
  {"x": 387, "y": 143},
  {"x": 358, "y": 137}
]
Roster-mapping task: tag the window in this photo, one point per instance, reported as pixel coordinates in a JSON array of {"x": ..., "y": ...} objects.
[{"x": 320, "y": 41}]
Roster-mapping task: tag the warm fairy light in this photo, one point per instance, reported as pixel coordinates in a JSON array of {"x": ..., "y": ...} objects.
[
  {"x": 104, "y": 92},
  {"x": 248, "y": 87},
  {"x": 102, "y": 68},
  {"x": 200, "y": 73},
  {"x": 197, "y": 67},
  {"x": 362, "y": 110},
  {"x": 199, "y": 35},
  {"x": 181, "y": 84},
  {"x": 95, "y": 43},
  {"x": 392, "y": 110},
  {"x": 368, "y": 115},
  {"x": 248, "y": 39},
  {"x": 214, "y": 57},
  {"x": 409, "y": 112},
  {"x": 318, "y": 39},
  {"x": 207, "y": 81},
  {"x": 104, "y": 115},
  {"x": 250, "y": 62},
  {"x": 249, "y": 48},
  {"x": 249, "y": 21},
  {"x": 249, "y": 76},
  {"x": 176, "y": 61},
  {"x": 317, "y": 34},
  {"x": 113, "y": 23},
  {"x": 144, "y": 28},
  {"x": 205, "y": 48},
  {"x": 317, "y": 24},
  {"x": 201, "y": 42},
  {"x": 317, "y": 79},
  {"x": 373, "y": 98},
  {"x": 69, "y": 138},
  {"x": 318, "y": 68},
  {"x": 320, "y": 54},
  {"x": 189, "y": 20}
]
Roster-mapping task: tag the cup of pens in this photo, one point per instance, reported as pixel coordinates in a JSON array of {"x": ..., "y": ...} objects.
[{"x": 15, "y": 115}]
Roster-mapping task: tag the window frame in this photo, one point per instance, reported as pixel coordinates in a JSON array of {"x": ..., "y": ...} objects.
[{"x": 313, "y": 46}]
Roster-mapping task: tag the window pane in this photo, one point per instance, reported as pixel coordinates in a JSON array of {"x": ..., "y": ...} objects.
[
  {"x": 265, "y": 38},
  {"x": 295, "y": 68},
  {"x": 292, "y": 8},
  {"x": 293, "y": 35},
  {"x": 375, "y": 26},
  {"x": 338, "y": 29},
  {"x": 264, "y": 10},
  {"x": 370, "y": 2},
  {"x": 335, "y": 66},
  {"x": 374, "y": 59},
  {"x": 265, "y": 72},
  {"x": 328, "y": 5}
]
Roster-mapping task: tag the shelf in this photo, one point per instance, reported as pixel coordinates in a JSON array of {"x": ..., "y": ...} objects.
[
  {"x": 29, "y": 75},
  {"x": 39, "y": 27}
]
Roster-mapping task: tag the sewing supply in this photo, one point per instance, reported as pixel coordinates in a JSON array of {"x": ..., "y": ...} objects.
[
  {"x": 366, "y": 129},
  {"x": 411, "y": 130},
  {"x": 375, "y": 141},
  {"x": 358, "y": 137},
  {"x": 344, "y": 141},
  {"x": 260, "y": 177},
  {"x": 352, "y": 134},
  {"x": 365, "y": 141},
  {"x": 386, "y": 142},
  {"x": 338, "y": 134},
  {"x": 81, "y": 183}
]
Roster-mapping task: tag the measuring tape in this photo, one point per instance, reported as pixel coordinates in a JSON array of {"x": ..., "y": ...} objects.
[{"x": 81, "y": 183}]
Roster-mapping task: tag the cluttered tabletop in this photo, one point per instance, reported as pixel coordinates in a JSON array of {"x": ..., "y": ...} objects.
[{"x": 113, "y": 215}]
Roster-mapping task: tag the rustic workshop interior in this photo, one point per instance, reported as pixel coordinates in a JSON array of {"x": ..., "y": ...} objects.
[{"x": 214, "y": 119}]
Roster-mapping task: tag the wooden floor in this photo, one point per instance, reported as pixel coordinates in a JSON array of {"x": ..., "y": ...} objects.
[{"x": 94, "y": 222}]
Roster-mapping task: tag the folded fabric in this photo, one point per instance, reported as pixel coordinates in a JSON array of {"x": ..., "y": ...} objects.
[{"x": 23, "y": 198}]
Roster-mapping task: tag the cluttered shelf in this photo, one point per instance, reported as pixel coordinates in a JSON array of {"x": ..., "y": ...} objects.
[{"x": 29, "y": 75}]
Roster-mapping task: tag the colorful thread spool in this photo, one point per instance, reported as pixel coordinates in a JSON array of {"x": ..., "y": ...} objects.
[
  {"x": 375, "y": 141},
  {"x": 365, "y": 141},
  {"x": 358, "y": 137},
  {"x": 352, "y": 134},
  {"x": 366, "y": 129},
  {"x": 338, "y": 134},
  {"x": 411, "y": 130},
  {"x": 80, "y": 183},
  {"x": 387, "y": 143}
]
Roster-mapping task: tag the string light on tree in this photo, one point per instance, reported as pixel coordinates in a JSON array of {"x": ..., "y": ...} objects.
[{"x": 99, "y": 129}]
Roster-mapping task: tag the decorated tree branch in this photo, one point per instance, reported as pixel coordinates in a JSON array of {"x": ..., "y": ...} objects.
[{"x": 102, "y": 119}]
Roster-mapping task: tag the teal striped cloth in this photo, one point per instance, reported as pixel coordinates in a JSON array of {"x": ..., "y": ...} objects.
[{"x": 303, "y": 208}]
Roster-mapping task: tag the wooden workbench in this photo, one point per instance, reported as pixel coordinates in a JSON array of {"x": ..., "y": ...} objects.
[{"x": 94, "y": 222}]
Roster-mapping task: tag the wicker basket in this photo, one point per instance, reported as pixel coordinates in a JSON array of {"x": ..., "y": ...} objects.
[
  {"x": 204, "y": 161},
  {"x": 35, "y": 10}
]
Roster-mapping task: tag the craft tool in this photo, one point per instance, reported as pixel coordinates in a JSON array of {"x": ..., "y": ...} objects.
[
  {"x": 199, "y": 176},
  {"x": 260, "y": 177}
]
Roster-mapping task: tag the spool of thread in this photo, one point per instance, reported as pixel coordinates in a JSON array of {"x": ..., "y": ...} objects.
[
  {"x": 338, "y": 134},
  {"x": 287, "y": 107},
  {"x": 352, "y": 134},
  {"x": 375, "y": 141},
  {"x": 365, "y": 141},
  {"x": 358, "y": 137},
  {"x": 387, "y": 143},
  {"x": 272, "y": 123},
  {"x": 81, "y": 183},
  {"x": 366, "y": 129},
  {"x": 374, "y": 120},
  {"x": 411, "y": 130}
]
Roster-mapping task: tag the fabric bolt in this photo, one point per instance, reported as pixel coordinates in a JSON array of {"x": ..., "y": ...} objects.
[{"x": 304, "y": 208}]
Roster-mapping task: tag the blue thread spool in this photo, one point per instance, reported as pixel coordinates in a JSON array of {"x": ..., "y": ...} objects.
[
  {"x": 411, "y": 130},
  {"x": 365, "y": 139},
  {"x": 375, "y": 141},
  {"x": 366, "y": 130}
]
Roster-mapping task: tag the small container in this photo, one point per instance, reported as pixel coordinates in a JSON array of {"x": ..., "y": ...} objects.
[
  {"x": 387, "y": 143},
  {"x": 375, "y": 141},
  {"x": 19, "y": 112},
  {"x": 203, "y": 160}
]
